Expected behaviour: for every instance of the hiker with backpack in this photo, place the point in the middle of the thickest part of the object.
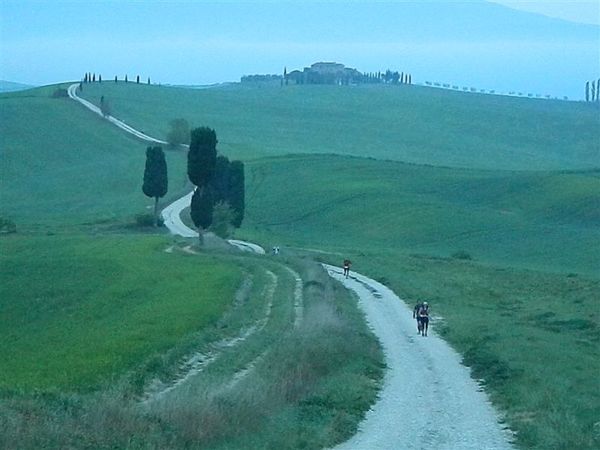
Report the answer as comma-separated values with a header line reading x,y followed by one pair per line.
x,y
423,318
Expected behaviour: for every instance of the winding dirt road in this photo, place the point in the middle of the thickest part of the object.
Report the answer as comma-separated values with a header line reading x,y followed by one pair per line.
x,y
428,399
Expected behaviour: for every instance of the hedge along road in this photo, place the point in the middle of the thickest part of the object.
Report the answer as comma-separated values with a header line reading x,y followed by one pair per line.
x,y
428,399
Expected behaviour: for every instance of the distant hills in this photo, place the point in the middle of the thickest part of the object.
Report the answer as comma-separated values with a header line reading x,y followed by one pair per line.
x,y
10,86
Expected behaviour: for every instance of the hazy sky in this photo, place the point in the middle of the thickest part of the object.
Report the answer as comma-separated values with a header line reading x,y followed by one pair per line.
x,y
583,11
467,43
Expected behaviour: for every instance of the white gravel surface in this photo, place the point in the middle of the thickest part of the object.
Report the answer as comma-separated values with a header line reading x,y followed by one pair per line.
x,y
428,399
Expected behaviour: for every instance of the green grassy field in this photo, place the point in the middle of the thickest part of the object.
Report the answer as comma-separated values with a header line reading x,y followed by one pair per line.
x,y
523,310
63,165
412,124
539,220
78,311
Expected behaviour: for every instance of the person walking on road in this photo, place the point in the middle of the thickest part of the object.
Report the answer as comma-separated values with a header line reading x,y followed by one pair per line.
x,y
416,310
347,264
424,317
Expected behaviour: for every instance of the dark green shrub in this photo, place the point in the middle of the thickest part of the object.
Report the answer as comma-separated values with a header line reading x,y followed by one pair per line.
x,y
7,226
147,220
461,254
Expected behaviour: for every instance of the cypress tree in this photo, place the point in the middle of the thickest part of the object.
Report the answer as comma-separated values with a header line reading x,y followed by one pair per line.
x,y
155,177
237,197
125,78
201,208
593,92
587,91
148,80
115,78
202,156
220,182
202,160
99,78
597,89
94,78
137,80
105,107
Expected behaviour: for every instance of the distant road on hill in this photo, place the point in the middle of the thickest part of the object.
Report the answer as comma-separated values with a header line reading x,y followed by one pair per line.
x,y
73,94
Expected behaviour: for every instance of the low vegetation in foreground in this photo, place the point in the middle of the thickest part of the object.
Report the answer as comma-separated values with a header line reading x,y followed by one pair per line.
x,y
268,380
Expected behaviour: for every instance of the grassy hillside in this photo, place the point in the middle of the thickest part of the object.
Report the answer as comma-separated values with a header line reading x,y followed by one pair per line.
x,y
61,164
509,260
413,124
540,220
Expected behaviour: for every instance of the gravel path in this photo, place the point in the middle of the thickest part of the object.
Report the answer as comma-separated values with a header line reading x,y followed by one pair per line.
x,y
428,400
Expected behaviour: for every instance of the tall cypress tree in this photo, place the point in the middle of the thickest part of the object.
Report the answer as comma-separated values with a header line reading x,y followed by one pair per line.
x,y
593,92
202,160
237,197
202,156
221,180
597,89
587,91
155,177
201,208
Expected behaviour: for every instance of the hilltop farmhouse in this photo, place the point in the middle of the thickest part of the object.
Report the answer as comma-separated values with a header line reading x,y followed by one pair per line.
x,y
325,73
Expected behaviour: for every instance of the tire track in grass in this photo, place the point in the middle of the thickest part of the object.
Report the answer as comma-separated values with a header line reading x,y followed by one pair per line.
x,y
298,317
298,296
199,361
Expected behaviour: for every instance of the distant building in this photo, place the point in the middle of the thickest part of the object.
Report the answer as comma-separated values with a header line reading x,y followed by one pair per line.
x,y
325,73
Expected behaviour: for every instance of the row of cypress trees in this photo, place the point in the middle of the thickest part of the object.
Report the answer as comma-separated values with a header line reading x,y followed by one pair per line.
x,y
592,88
90,77
218,180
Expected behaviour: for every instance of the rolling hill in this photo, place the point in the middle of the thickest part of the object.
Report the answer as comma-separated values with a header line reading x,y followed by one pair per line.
x,y
401,123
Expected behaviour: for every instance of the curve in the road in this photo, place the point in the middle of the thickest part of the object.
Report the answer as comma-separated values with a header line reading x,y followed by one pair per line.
x,y
428,399
172,213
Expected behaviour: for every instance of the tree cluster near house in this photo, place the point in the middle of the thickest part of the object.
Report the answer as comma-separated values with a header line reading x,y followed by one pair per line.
x,y
335,73
261,78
